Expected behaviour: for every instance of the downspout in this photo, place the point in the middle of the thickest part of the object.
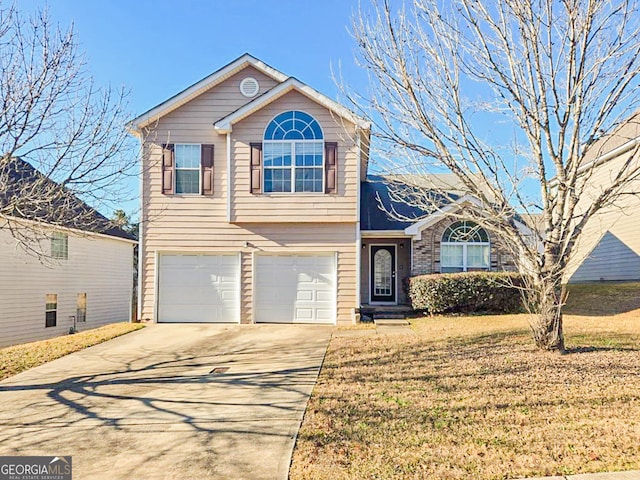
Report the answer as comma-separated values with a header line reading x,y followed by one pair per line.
x,y
358,234
140,235
229,177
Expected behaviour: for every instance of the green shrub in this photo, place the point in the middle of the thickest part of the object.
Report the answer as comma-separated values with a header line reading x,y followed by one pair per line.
x,y
491,292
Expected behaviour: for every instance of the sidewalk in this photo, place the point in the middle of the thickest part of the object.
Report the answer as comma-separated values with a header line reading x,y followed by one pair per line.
x,y
630,475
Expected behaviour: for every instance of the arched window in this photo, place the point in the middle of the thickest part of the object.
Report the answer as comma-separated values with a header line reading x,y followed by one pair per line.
x,y
293,153
465,247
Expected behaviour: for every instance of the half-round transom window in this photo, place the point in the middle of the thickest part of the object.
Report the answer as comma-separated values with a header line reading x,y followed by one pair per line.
x,y
465,247
293,125
465,231
293,154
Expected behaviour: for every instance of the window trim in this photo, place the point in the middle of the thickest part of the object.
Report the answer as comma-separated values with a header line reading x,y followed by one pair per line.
x,y
53,310
292,167
175,170
56,253
81,318
465,260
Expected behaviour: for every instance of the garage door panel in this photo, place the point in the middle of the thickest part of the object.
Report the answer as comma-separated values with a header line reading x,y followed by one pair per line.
x,y
194,314
228,296
198,288
326,315
181,297
324,296
295,288
305,277
304,314
305,296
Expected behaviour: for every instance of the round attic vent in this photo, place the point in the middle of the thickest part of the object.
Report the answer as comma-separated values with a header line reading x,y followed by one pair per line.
x,y
249,87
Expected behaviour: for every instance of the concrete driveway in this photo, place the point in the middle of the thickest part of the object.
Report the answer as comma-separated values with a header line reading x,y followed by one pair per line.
x,y
146,405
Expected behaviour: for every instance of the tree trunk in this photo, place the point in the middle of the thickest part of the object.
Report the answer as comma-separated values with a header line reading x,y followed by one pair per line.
x,y
546,323
547,331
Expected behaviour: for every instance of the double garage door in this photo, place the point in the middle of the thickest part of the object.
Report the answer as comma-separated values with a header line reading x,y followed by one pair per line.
x,y
287,288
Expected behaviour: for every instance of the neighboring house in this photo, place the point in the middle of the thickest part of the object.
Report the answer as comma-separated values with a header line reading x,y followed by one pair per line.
x,y
257,208
609,247
83,277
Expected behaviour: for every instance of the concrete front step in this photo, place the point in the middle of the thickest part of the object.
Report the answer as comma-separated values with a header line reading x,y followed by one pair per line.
x,y
387,315
394,321
370,312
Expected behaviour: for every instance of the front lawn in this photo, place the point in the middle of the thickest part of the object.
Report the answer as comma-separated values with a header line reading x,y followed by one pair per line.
x,y
19,358
471,397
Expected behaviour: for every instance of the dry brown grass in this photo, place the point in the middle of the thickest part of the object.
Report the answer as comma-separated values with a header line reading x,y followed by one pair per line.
x,y
471,397
596,299
19,358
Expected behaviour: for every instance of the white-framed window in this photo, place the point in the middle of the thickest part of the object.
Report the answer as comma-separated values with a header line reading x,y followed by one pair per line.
x,y
465,247
81,307
187,158
51,310
59,246
293,154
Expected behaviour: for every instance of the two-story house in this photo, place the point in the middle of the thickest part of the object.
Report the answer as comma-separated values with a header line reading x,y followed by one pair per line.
x,y
257,208
63,265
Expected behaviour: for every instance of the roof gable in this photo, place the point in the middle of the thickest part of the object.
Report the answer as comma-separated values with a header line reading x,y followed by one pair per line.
x,y
66,210
225,124
202,86
380,211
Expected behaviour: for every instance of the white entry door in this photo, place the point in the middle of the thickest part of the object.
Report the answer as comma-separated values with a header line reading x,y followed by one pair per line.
x,y
199,288
295,289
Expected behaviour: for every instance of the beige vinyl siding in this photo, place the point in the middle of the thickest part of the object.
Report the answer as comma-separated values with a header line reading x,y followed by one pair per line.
x,y
629,130
198,224
193,123
294,207
196,117
98,266
609,247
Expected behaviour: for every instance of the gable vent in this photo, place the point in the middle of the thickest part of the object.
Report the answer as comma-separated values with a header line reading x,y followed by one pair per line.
x,y
249,87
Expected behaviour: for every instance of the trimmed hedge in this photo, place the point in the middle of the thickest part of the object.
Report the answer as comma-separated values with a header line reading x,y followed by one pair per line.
x,y
467,292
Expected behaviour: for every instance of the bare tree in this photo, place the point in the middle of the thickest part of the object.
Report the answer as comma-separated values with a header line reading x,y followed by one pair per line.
x,y
512,97
62,138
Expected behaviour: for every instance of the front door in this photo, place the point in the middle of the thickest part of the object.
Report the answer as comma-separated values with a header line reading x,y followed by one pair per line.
x,y
383,273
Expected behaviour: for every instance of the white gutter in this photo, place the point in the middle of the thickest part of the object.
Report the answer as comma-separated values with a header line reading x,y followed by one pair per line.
x,y
358,236
384,234
229,177
603,158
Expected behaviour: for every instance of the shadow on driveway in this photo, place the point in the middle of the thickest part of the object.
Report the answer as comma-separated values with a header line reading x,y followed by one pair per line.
x,y
148,405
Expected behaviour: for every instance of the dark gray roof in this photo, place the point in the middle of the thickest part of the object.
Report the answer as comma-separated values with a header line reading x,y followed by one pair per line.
x,y
21,185
374,194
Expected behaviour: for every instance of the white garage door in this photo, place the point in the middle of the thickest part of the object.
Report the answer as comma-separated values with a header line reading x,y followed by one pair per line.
x,y
198,288
295,289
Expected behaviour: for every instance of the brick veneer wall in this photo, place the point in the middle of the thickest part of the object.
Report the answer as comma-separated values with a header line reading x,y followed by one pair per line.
x,y
426,251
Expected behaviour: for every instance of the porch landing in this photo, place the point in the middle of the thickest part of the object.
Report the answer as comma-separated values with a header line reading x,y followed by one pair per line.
x,y
381,313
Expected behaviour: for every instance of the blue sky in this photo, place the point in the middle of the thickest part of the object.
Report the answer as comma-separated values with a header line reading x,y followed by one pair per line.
x,y
157,48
